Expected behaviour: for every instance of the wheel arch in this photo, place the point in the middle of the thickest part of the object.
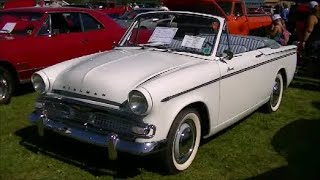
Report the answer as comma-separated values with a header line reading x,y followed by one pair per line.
x,y
202,109
283,73
11,68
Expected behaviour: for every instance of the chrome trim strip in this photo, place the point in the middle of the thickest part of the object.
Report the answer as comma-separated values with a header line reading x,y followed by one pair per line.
x,y
283,51
56,98
75,95
227,76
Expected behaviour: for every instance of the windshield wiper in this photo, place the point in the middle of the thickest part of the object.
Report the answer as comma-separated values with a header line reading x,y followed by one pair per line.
x,y
153,44
5,31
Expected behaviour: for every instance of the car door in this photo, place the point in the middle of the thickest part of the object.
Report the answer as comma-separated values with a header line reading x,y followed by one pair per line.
x,y
239,22
98,36
242,84
57,40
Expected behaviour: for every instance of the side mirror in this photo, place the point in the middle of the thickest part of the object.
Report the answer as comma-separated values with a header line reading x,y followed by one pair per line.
x,y
227,54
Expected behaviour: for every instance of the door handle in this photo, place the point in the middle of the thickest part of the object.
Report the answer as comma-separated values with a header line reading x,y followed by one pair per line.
x,y
230,69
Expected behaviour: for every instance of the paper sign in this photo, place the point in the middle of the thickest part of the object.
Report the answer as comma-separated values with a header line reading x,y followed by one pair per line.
x,y
8,27
163,35
192,42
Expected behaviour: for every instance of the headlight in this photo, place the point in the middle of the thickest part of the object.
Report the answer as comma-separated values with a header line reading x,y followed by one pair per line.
x,y
138,102
38,83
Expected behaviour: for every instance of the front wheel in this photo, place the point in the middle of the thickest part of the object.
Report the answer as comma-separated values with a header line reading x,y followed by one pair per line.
x,y
6,86
276,94
183,141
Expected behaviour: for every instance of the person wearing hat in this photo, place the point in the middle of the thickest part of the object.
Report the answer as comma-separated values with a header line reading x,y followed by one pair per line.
x,y
277,29
311,39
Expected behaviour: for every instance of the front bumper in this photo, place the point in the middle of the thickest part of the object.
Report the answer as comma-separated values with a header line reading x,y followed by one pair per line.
x,y
111,140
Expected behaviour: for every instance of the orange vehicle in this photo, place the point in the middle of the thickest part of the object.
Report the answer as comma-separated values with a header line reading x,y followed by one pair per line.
x,y
235,12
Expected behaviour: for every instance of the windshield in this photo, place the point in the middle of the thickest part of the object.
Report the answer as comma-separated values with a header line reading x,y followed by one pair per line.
x,y
174,31
19,23
132,14
226,7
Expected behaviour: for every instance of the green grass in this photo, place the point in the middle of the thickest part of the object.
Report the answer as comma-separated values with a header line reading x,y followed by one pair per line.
x,y
282,145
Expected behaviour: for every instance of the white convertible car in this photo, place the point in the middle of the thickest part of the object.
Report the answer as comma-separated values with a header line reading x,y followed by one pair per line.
x,y
164,87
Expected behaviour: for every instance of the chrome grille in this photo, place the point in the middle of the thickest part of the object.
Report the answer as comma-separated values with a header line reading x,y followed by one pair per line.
x,y
98,120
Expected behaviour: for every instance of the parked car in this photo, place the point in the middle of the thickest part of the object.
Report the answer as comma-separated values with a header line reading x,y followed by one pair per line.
x,y
18,3
88,5
126,19
188,81
234,11
35,38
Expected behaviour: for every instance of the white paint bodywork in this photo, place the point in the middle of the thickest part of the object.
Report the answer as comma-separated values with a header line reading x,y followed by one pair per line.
x,y
229,89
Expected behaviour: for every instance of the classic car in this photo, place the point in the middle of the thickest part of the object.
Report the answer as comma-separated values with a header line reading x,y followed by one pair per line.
x,y
239,19
189,80
126,19
34,38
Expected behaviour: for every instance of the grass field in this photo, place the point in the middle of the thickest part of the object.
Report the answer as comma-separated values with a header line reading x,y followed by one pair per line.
x,y
282,145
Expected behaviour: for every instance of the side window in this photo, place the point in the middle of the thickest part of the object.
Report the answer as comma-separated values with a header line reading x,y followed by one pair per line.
x,y
238,10
60,23
45,28
89,23
73,20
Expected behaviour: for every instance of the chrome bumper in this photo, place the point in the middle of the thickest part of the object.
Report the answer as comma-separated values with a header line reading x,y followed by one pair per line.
x,y
111,141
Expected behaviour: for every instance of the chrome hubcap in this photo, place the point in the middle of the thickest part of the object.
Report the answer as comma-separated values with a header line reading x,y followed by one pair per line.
x,y
3,87
275,93
184,141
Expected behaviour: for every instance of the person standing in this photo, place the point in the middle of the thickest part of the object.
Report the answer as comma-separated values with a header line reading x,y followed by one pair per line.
x,y
135,6
56,3
285,12
163,7
311,39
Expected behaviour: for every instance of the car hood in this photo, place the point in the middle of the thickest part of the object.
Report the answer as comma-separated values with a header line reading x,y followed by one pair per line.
x,y
112,75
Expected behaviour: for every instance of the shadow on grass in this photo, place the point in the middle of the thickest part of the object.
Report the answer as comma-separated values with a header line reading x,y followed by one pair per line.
x,y
307,76
310,68
229,128
299,143
316,104
24,89
305,83
88,157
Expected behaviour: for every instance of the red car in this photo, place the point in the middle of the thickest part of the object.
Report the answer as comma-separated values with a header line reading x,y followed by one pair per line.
x,y
34,38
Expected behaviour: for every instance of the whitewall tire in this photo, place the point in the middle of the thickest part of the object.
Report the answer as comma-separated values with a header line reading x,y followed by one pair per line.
x,y
183,141
276,94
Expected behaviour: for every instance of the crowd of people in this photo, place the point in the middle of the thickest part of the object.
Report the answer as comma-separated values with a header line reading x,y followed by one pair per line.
x,y
136,6
310,35
311,38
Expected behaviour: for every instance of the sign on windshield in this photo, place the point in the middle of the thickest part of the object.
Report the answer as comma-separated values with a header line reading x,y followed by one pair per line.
x,y
182,32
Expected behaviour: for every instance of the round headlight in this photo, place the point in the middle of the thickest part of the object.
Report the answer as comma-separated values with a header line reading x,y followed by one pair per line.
x,y
38,83
138,102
